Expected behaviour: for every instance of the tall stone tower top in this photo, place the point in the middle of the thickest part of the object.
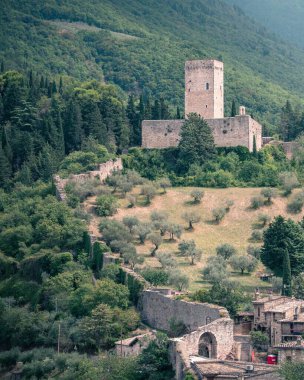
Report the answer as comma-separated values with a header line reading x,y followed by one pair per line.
x,y
204,88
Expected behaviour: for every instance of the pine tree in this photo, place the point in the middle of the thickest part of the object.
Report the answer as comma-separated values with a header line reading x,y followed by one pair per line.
x,y
287,289
233,109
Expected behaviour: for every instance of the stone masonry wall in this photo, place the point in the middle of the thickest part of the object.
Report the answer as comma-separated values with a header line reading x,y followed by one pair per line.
x,y
102,172
158,309
227,132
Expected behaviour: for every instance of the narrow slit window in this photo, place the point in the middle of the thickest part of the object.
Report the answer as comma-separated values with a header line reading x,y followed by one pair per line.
x,y
207,86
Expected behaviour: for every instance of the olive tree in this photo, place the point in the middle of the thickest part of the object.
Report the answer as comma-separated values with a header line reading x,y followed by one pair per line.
x,y
156,240
197,195
244,263
225,251
191,217
188,249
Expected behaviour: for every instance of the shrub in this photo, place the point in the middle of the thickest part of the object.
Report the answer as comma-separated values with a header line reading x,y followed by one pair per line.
x,y
228,204
155,276
256,202
256,236
263,220
197,195
269,193
218,214
178,280
296,205
225,251
243,263
288,181
132,200
254,251
191,217
106,205
259,339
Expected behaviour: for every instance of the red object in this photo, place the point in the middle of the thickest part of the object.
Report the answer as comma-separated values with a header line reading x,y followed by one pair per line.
x,y
272,359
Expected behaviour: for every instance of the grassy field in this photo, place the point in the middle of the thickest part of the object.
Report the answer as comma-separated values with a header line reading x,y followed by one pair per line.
x,y
235,229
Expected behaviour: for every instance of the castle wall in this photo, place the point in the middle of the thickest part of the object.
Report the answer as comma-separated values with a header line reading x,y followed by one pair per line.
x,y
204,88
227,132
158,309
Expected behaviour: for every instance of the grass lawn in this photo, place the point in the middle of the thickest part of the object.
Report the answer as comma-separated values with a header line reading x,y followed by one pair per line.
x,y
235,229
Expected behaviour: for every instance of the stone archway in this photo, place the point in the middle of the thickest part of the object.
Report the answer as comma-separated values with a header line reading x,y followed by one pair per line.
x,y
207,346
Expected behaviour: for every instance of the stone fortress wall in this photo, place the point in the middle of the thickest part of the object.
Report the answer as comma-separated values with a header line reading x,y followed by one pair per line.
x,y
227,132
204,95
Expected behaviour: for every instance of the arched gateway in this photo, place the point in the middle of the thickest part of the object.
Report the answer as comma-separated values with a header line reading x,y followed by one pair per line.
x,y
207,346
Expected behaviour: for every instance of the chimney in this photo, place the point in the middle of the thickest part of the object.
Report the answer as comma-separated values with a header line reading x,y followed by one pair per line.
x,y
242,111
256,294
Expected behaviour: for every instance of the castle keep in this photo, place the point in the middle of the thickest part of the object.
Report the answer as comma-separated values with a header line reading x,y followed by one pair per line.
x,y
204,95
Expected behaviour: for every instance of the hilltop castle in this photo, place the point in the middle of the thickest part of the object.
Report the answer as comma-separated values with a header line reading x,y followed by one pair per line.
x,y
204,95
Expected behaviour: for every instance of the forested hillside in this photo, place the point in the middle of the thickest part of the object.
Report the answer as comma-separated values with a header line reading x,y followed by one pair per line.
x,y
142,45
284,17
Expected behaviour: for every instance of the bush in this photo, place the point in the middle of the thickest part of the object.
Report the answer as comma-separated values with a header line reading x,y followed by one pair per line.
x,y
288,181
254,251
218,214
259,339
296,205
228,204
256,236
256,202
106,205
263,220
243,263
197,195
156,277
269,193
225,251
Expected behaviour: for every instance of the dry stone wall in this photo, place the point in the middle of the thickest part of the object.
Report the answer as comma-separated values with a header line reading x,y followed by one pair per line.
x,y
157,309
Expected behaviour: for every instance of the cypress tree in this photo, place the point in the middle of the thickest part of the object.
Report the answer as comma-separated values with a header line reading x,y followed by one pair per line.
x,y
148,109
164,110
233,109
254,147
60,86
5,168
286,290
178,114
94,124
73,127
132,117
54,88
2,68
156,112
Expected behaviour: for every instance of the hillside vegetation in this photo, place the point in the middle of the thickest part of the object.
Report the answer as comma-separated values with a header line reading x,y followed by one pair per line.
x,y
272,14
235,229
142,46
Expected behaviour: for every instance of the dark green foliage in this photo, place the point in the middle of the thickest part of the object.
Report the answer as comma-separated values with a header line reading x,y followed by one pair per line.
x,y
287,287
154,361
292,370
233,109
196,145
155,277
259,340
225,293
97,260
283,235
106,205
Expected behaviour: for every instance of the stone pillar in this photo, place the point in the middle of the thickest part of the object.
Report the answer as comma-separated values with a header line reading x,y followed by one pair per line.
x,y
242,111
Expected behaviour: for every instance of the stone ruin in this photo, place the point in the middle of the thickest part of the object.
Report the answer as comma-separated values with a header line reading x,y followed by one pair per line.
x,y
102,173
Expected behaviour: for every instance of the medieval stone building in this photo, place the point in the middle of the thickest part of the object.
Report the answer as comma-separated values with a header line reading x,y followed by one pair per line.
x,y
204,95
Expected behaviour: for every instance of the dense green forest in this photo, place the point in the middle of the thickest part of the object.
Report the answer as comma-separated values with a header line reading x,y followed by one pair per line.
x,y
283,17
142,46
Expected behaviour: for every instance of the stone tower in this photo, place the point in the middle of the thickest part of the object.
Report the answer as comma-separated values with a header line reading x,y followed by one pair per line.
x,y
204,88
